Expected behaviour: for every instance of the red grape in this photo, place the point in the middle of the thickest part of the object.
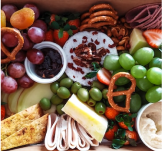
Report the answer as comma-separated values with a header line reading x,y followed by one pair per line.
x,y
25,81
9,40
35,56
9,10
40,24
20,56
34,8
3,56
36,34
28,44
16,70
2,76
9,85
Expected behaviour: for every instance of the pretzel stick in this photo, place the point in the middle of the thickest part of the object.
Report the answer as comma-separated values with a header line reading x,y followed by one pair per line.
x,y
104,13
128,92
102,18
11,56
101,7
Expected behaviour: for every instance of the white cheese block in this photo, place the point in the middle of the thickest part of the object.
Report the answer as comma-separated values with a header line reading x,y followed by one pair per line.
x,y
95,124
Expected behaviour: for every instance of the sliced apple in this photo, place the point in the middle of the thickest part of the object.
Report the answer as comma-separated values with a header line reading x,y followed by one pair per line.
x,y
13,99
33,95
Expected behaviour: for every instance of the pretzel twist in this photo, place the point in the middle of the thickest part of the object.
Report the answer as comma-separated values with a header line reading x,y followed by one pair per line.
x,y
11,55
101,7
104,13
85,15
128,92
85,21
102,18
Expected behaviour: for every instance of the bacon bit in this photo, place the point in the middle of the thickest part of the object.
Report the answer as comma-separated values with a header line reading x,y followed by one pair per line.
x,y
84,78
94,33
72,57
71,50
89,82
73,76
91,40
74,40
104,40
70,65
97,42
112,46
84,39
107,50
120,37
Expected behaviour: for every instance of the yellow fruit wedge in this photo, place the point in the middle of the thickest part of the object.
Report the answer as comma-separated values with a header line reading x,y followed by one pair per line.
x,y
137,41
2,19
95,124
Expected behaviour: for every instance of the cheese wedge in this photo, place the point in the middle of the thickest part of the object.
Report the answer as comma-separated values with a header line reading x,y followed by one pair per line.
x,y
95,124
30,134
137,41
15,122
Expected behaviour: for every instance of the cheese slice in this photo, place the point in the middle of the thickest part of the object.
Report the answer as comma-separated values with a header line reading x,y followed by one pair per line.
x,y
94,123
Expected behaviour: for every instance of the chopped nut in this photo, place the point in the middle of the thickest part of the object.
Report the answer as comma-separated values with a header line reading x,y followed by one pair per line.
x,y
123,20
127,26
115,40
114,32
120,48
122,32
109,32
122,42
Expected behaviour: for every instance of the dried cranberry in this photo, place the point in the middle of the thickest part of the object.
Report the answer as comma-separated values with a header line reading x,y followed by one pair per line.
x,y
112,46
104,40
94,33
74,40
71,50
97,42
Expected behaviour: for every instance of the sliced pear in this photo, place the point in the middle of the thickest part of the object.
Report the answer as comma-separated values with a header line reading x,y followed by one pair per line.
x,y
137,41
33,95
13,99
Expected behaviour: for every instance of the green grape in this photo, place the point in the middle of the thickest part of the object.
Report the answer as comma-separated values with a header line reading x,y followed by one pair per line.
x,y
126,61
111,62
156,62
154,75
154,94
144,84
121,80
144,55
138,71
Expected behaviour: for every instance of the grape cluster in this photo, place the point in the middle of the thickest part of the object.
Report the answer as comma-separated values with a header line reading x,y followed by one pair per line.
x,y
15,70
144,66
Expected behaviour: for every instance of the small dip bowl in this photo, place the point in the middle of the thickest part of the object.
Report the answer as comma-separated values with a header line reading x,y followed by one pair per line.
x,y
137,125
30,68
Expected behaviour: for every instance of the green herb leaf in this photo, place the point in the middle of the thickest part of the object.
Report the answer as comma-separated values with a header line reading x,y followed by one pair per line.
x,y
105,101
66,27
55,25
119,118
3,103
120,134
134,115
111,124
70,32
72,27
96,66
90,75
64,19
131,141
117,143
57,18
60,34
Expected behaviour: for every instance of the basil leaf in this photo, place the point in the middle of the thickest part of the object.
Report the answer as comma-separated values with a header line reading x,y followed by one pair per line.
x,y
119,118
72,27
60,34
55,25
96,66
57,18
90,75
134,115
117,143
66,27
70,32
64,19
131,141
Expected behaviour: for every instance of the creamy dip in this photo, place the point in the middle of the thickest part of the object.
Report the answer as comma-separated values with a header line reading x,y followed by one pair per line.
x,y
151,125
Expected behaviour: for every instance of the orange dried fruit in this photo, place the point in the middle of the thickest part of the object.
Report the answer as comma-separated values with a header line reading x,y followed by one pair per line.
x,y
22,18
3,19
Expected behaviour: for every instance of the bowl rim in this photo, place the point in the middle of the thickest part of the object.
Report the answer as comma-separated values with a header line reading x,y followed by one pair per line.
x,y
140,112
28,64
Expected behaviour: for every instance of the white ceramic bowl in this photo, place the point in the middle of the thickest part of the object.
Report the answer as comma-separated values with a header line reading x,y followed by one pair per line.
x,y
137,125
30,69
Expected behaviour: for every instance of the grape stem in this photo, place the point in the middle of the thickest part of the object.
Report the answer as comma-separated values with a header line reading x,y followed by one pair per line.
x,y
4,68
